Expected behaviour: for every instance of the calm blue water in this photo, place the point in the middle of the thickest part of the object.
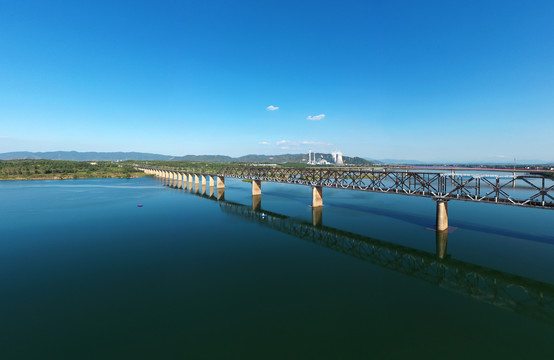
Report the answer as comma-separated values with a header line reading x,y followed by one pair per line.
x,y
86,274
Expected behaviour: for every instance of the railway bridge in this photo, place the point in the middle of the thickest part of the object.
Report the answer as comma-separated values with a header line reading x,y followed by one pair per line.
x,y
531,190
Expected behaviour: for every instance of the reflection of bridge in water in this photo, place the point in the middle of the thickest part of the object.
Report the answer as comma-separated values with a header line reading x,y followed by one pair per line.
x,y
522,295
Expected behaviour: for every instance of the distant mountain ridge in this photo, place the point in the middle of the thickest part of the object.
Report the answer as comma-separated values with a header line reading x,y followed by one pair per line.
x,y
83,156
122,156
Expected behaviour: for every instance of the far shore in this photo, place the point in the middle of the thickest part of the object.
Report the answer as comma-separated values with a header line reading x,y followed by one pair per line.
x,y
71,177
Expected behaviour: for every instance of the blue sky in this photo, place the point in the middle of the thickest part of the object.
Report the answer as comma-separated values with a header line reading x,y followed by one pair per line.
x,y
424,80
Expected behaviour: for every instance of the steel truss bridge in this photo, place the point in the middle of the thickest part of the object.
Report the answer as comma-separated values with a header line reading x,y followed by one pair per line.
x,y
518,190
488,188
522,295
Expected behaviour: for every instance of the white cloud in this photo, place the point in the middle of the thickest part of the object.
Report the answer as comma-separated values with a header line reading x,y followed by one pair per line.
x,y
263,143
316,117
272,108
283,142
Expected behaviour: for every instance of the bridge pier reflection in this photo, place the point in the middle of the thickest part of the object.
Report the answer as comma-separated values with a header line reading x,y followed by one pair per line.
x,y
221,194
441,242
317,216
257,202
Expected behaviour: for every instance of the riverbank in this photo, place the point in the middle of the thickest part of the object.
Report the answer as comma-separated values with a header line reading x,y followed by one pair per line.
x,y
61,170
61,177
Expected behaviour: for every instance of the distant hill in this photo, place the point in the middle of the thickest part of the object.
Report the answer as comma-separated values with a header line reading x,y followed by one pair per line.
x,y
122,156
83,156
279,159
398,161
204,158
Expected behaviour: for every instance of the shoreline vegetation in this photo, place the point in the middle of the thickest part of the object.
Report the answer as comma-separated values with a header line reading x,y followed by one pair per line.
x,y
62,170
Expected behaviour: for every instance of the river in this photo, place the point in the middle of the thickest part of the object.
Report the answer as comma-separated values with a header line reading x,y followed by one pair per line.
x,y
86,273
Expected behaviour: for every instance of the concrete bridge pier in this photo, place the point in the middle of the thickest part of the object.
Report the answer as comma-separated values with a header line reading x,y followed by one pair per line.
x,y
257,202
441,242
190,182
203,178
184,181
442,214
317,216
212,182
179,180
256,187
317,196
220,182
196,182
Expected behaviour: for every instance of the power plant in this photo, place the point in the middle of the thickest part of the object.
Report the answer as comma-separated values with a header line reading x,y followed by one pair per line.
x,y
336,158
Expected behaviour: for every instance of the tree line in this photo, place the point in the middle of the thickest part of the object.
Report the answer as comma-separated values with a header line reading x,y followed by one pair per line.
x,y
61,169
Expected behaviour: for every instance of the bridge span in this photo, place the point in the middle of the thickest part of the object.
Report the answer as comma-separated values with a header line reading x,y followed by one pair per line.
x,y
522,190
